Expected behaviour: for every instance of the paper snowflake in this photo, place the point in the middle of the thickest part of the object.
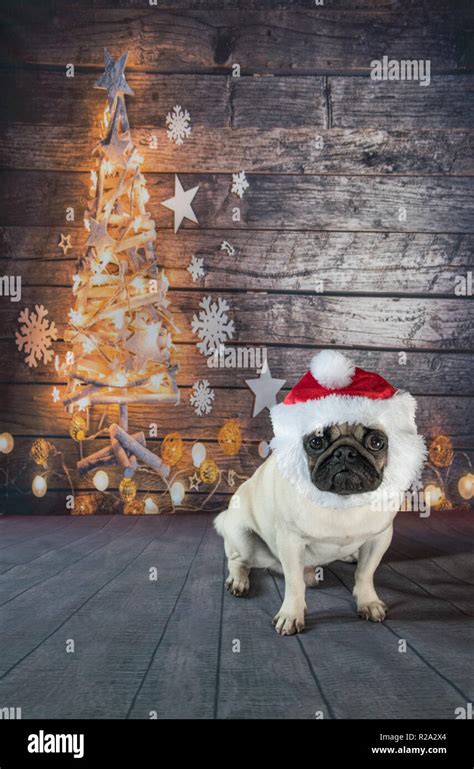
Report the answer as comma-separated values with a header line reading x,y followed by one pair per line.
x,y
178,125
212,325
36,335
195,268
201,397
239,184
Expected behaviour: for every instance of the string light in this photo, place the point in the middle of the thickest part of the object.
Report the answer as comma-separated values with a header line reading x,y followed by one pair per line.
x,y
39,487
177,493
101,480
198,454
6,443
151,508
40,451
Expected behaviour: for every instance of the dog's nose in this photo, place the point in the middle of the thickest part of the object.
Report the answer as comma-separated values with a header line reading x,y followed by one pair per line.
x,y
345,454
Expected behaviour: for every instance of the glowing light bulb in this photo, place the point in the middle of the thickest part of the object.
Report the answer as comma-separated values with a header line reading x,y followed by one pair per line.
x,y
198,454
6,443
108,167
177,493
101,480
151,508
39,487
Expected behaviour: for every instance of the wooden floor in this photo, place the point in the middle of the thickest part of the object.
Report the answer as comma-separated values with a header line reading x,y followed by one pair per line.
x,y
169,647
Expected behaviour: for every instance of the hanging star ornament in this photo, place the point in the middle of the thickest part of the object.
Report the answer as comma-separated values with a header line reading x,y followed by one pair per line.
x,y
99,237
265,389
181,204
113,79
65,243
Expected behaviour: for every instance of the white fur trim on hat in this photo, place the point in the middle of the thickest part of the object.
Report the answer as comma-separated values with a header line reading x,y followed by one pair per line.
x,y
395,416
332,369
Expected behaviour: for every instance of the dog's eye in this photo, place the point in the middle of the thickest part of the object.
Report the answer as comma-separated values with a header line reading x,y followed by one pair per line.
x,y
375,442
316,442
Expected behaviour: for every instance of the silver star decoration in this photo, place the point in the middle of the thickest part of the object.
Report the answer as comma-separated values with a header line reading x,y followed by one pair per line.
x,y
115,148
113,79
181,204
144,342
194,482
98,237
265,389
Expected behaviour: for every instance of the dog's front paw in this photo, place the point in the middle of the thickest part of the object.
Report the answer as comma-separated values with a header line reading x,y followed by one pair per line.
x,y
375,611
288,623
238,586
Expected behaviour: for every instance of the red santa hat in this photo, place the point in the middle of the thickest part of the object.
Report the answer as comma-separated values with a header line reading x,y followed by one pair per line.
x,y
335,391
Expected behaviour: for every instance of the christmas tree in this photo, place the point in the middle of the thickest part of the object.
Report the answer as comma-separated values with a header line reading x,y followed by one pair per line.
x,y
120,326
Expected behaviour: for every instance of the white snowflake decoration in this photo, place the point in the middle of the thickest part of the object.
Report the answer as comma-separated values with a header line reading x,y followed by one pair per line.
x,y
178,125
36,335
212,325
195,268
239,184
201,397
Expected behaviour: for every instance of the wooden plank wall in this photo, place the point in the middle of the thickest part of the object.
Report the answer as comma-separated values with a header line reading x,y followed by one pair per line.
x,y
310,214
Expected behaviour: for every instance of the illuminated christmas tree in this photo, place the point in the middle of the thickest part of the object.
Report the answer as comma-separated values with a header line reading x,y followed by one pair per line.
x,y
120,326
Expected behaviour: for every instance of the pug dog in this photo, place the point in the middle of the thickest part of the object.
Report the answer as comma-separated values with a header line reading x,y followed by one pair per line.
x,y
345,446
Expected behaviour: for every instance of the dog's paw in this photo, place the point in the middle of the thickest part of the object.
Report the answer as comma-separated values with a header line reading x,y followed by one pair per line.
x,y
310,578
238,586
288,624
375,611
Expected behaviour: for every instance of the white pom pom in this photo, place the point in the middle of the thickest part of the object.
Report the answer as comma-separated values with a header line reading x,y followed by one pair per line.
x,y
332,369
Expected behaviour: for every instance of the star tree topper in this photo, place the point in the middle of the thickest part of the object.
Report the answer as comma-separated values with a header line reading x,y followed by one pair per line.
x,y
113,79
181,204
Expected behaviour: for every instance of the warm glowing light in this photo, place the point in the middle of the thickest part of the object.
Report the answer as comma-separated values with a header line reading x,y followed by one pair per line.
x,y
39,487
434,495
466,486
156,380
198,454
88,345
118,318
108,167
177,493
76,317
106,116
83,404
143,195
108,208
101,480
6,443
151,508
136,223
87,223
76,282
119,379
139,283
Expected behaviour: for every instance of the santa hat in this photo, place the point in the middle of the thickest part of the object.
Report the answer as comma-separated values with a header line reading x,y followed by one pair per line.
x,y
335,391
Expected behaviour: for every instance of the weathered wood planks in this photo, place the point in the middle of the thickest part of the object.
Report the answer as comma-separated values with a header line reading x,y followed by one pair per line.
x,y
277,151
361,262
294,319
431,204
439,373
309,39
28,409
